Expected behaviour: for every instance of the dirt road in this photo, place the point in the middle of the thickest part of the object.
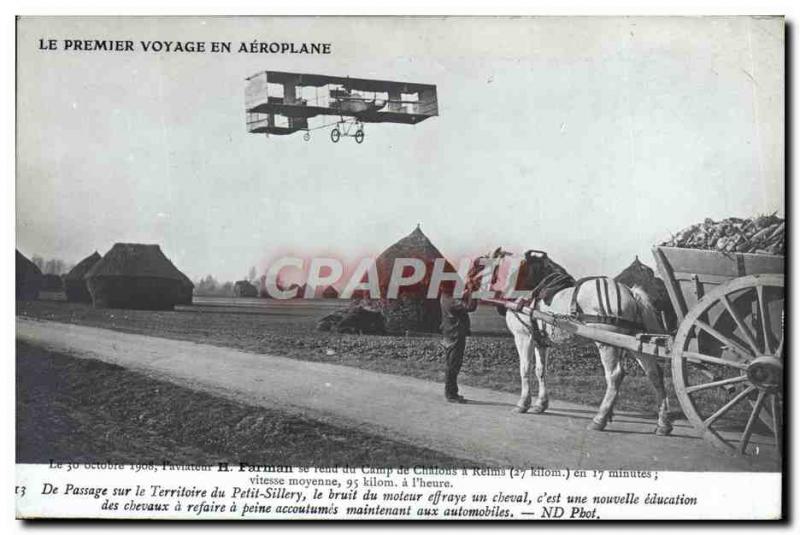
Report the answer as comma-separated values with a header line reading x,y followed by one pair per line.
x,y
399,407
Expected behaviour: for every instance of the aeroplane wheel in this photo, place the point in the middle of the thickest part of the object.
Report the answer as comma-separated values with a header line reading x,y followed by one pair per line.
x,y
335,135
306,137
360,136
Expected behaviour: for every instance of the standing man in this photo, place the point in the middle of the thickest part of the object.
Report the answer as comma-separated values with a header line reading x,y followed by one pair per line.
x,y
455,329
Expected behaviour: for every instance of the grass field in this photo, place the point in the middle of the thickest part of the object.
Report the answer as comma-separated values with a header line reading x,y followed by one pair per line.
x,y
82,410
287,329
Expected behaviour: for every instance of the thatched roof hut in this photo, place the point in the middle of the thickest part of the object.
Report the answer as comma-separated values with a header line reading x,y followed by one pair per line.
x,y
75,284
330,293
415,245
411,310
52,283
244,288
133,275
28,278
186,291
642,275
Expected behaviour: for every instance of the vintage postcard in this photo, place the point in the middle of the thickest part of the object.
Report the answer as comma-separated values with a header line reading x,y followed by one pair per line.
x,y
400,268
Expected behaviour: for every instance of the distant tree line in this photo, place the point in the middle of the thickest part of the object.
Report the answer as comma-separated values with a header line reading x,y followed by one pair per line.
x,y
208,286
52,266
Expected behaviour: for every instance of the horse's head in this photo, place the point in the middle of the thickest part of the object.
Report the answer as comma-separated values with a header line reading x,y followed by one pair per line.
x,y
533,268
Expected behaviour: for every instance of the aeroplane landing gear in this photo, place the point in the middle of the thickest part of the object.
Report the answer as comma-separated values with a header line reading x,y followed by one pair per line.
x,y
354,129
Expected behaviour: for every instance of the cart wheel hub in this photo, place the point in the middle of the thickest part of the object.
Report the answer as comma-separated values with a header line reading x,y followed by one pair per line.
x,y
766,373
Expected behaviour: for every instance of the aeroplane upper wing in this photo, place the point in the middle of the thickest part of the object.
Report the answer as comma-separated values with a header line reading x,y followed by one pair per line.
x,y
300,96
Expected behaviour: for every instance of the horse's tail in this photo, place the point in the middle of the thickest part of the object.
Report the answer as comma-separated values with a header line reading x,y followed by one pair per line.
x,y
646,310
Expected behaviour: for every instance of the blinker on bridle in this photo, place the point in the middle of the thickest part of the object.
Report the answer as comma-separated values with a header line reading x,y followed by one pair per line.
x,y
535,253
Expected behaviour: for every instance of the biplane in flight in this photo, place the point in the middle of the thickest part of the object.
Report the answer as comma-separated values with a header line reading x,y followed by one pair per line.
x,y
282,103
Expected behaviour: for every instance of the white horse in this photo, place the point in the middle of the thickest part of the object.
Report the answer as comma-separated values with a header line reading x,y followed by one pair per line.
x,y
603,304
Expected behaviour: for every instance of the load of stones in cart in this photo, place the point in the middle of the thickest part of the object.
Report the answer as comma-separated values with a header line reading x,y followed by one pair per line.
x,y
763,234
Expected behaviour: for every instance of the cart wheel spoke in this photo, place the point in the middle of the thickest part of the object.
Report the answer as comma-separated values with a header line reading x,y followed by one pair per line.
x,y
699,357
748,429
779,351
727,342
762,307
776,427
728,406
718,334
713,384
748,336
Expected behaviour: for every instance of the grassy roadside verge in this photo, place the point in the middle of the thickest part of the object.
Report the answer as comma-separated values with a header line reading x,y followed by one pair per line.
x,y
82,410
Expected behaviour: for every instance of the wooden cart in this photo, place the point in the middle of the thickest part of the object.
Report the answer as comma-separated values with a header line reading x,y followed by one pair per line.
x,y
727,354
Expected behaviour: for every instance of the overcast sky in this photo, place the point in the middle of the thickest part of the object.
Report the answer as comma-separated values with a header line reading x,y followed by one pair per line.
x,y
591,138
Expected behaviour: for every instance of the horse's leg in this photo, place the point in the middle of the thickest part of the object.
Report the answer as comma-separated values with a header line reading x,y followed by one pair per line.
x,y
656,376
524,342
542,400
612,364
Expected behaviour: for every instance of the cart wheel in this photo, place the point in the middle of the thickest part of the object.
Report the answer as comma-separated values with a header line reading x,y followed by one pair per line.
x,y
727,365
359,136
307,136
335,135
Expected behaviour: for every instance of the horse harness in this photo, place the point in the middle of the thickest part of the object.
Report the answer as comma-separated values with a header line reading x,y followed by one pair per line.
x,y
607,314
555,282
547,288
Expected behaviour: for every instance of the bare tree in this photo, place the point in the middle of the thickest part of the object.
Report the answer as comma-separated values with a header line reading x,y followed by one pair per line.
x,y
54,266
208,286
38,261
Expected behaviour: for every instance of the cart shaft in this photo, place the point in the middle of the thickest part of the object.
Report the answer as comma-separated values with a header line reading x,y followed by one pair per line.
x,y
640,343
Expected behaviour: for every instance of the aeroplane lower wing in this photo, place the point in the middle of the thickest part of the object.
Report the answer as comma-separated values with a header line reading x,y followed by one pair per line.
x,y
283,102
274,123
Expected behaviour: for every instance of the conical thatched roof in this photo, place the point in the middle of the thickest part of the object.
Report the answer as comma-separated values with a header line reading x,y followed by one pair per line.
x,y
186,292
28,278
643,276
82,267
330,293
411,310
640,274
136,260
415,245
187,282
74,283
26,266
635,271
133,275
